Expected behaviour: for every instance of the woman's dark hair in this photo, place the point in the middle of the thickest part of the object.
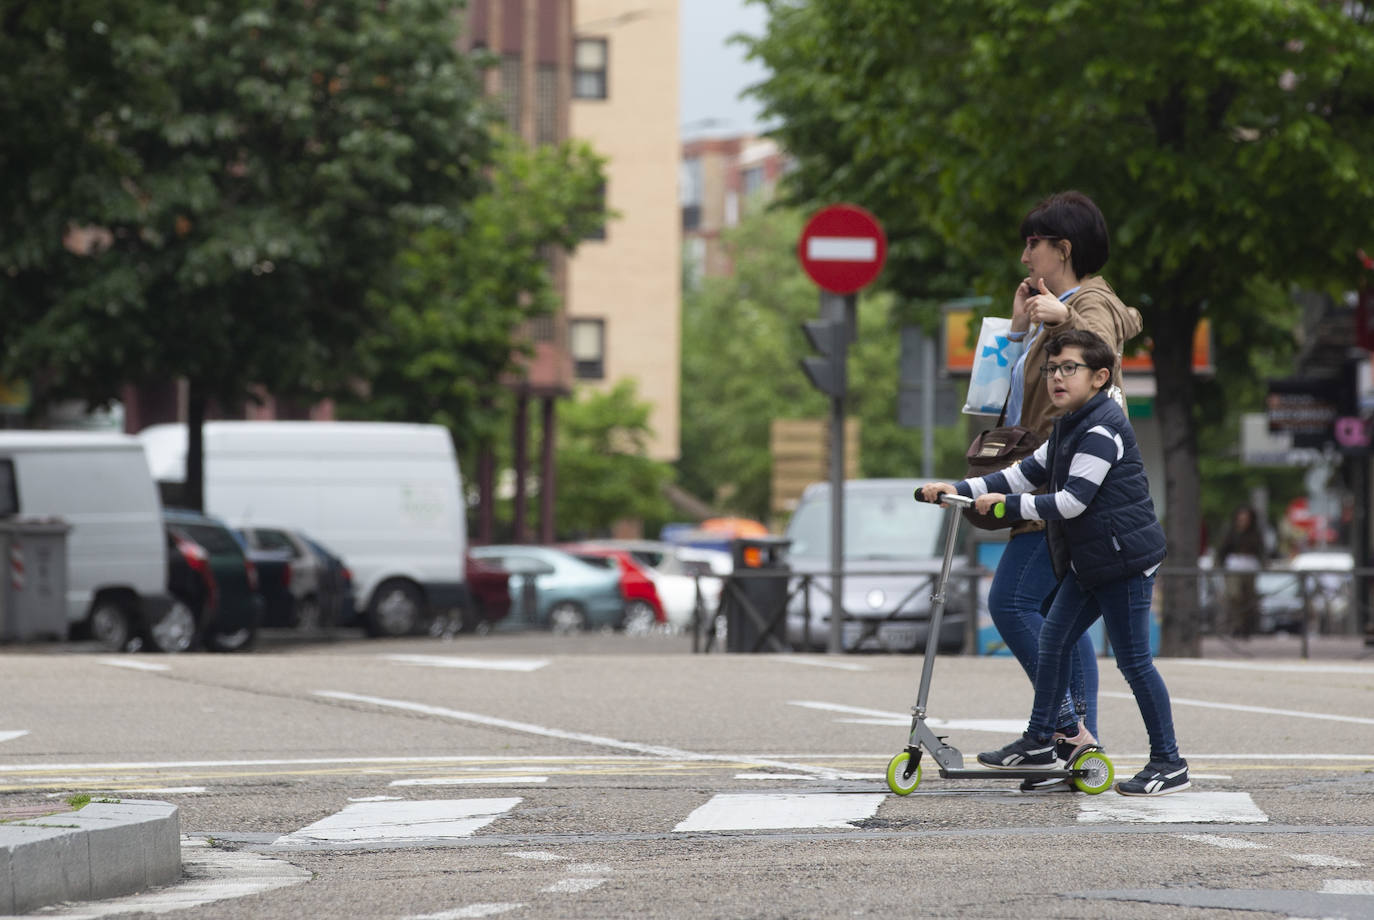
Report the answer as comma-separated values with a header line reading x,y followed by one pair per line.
x,y
1097,354
1072,216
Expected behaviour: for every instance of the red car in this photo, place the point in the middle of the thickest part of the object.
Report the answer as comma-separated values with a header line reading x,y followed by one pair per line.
x,y
643,609
489,588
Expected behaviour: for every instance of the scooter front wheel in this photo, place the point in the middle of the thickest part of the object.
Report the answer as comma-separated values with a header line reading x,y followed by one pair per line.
x,y
897,780
1099,775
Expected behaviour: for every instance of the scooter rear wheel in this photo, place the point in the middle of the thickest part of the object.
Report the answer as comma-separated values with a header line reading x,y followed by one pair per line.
x,y
1100,772
897,781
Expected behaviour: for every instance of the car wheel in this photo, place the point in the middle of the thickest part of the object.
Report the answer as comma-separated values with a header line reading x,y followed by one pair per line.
x,y
176,631
110,625
395,610
639,618
309,614
566,617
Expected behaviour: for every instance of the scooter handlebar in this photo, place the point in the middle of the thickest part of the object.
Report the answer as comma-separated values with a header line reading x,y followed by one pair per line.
x,y
946,498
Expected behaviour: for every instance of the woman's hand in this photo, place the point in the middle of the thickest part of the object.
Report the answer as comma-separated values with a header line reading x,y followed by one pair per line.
x,y
932,491
985,502
1020,319
1044,307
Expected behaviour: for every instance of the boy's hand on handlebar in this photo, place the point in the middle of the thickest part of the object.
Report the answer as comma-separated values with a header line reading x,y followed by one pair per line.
x,y
985,502
932,491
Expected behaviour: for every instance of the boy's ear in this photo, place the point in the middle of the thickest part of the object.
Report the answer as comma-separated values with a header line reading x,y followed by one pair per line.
x,y
1101,377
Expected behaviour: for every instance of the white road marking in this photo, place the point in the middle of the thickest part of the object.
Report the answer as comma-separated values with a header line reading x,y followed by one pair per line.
x,y
1178,808
471,911
541,855
1347,886
772,811
1226,843
402,820
215,875
480,664
575,885
1273,666
882,717
10,736
598,740
134,664
469,780
791,776
376,798
1321,860
821,663
168,790
1262,710
297,762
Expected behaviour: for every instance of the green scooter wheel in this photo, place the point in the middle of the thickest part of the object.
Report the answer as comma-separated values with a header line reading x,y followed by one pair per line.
x,y
1100,772
897,780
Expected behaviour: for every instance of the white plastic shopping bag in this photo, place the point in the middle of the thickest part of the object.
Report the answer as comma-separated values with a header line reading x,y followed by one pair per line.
x,y
993,358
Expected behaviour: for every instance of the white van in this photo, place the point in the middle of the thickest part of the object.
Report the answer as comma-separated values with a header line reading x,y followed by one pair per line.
x,y
116,550
385,496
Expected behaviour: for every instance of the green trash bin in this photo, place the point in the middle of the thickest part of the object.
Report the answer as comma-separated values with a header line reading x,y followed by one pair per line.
x,y
33,596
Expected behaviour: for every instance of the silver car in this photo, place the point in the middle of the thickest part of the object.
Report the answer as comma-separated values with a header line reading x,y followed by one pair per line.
x,y
893,551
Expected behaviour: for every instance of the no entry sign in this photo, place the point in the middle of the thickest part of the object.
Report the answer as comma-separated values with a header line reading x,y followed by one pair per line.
x,y
842,248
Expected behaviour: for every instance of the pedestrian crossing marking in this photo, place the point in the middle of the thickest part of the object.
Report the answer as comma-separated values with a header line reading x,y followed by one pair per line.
x,y
1179,808
362,822
778,811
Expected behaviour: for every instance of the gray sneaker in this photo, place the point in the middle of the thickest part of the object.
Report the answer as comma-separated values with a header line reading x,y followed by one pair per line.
x,y
1025,753
1157,779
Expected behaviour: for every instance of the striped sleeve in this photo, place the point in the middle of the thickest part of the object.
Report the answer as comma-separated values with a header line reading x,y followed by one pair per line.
x,y
1098,451
1026,476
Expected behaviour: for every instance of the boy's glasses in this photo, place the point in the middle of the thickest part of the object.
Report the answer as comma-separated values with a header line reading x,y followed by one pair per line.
x,y
1067,369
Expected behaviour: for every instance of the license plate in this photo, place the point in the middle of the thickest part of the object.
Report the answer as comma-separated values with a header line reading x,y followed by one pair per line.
x,y
896,637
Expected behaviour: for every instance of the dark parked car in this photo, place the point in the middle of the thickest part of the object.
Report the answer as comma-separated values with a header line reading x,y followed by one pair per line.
x,y
191,585
333,591
231,620
488,593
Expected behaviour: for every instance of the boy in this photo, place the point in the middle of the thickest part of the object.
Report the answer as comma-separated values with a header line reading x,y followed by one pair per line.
x,y
1106,545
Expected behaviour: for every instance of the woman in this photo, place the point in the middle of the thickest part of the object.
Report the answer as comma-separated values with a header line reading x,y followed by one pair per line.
x,y
1241,556
1066,245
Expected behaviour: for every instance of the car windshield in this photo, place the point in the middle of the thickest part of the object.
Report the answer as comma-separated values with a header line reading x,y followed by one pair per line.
x,y
877,525
216,540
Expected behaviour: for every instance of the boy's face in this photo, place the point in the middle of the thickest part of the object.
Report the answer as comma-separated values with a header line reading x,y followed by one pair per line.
x,y
1069,392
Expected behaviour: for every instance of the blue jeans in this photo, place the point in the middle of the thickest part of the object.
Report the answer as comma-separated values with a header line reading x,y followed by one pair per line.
x,y
1124,606
1020,595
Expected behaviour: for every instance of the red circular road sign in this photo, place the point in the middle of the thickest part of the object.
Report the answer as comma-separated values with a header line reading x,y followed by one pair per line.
x,y
842,248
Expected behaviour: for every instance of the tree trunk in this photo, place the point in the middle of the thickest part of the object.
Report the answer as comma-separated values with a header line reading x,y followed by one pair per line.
x,y
195,447
1173,358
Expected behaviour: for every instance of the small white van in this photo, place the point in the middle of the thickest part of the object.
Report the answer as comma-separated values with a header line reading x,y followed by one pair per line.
x,y
116,550
385,496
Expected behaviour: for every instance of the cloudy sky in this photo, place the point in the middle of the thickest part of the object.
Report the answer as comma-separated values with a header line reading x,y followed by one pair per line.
x,y
713,73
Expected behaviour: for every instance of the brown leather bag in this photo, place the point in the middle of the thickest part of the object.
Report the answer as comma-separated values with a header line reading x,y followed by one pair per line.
x,y
992,451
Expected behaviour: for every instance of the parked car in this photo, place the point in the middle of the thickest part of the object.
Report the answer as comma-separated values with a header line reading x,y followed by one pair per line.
x,y
679,573
893,552
489,594
292,574
191,585
232,621
334,589
643,607
568,594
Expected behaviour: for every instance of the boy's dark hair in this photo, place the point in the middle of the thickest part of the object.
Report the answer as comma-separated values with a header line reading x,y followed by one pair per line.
x,y
1097,354
1074,217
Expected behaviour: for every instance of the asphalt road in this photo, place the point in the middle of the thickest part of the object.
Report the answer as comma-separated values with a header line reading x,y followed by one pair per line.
x,y
603,776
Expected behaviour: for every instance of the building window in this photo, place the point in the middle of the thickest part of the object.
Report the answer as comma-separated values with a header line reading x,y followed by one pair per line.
x,y
600,232
546,105
588,347
589,68
690,193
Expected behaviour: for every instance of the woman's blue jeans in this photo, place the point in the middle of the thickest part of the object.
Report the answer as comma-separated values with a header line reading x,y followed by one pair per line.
x,y
1020,596
1124,606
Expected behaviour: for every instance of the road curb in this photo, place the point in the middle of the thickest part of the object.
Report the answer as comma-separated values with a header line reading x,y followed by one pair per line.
x,y
104,850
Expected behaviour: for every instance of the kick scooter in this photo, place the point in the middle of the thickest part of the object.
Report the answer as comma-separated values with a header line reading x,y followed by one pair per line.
x,y
1088,768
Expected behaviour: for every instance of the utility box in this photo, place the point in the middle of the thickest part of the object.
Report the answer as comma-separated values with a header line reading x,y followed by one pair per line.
x,y
755,595
33,588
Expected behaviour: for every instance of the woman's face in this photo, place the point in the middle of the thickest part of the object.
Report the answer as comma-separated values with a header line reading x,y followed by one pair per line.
x,y
1043,257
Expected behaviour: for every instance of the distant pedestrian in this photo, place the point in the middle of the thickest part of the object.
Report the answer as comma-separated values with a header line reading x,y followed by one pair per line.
x,y
1240,556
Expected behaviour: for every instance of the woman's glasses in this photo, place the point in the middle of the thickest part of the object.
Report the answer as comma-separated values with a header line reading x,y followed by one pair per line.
x,y
1067,369
1033,239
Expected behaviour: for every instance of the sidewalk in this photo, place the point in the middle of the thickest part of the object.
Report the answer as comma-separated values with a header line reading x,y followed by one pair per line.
x,y
1350,648
49,853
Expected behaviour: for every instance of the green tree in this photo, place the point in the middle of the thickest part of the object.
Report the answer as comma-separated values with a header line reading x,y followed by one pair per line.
x,y
250,170
1227,142
453,307
740,344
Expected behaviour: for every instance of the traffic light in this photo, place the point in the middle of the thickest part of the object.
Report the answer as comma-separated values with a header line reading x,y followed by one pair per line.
x,y
830,337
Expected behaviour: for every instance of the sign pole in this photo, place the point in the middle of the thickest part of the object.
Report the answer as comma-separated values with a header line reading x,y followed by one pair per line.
x,y
843,308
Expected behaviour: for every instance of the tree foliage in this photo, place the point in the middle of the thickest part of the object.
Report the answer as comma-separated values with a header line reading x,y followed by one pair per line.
x,y
1227,142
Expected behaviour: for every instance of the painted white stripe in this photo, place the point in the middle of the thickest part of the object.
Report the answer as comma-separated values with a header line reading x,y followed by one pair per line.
x,y
881,717
480,664
305,761
1176,808
169,790
1321,860
1262,710
541,855
821,663
403,820
376,798
471,911
784,810
470,780
1226,843
791,776
599,740
575,885
10,736
1347,886
1277,667
842,249
134,664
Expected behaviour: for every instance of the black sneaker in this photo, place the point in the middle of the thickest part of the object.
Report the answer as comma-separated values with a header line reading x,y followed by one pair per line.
x,y
1047,784
1157,779
1025,753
